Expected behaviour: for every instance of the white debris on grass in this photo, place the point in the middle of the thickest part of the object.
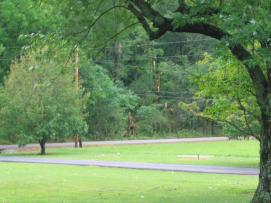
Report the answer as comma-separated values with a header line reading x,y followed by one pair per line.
x,y
194,157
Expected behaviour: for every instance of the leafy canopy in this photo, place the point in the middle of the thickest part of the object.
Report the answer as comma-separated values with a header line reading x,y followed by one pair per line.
x,y
40,100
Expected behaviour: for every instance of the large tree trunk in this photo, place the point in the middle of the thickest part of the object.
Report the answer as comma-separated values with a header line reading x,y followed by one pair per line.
x,y
42,146
263,192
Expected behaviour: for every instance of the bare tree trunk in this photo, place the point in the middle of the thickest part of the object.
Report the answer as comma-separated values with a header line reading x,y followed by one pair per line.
x,y
42,146
80,142
212,127
76,141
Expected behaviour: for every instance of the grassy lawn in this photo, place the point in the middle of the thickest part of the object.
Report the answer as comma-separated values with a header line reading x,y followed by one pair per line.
x,y
53,183
228,153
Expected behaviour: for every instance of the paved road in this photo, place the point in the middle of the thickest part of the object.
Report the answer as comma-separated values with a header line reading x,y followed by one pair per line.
x,y
144,166
120,142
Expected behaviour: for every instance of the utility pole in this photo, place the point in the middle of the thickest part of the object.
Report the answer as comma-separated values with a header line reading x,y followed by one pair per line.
x,y
76,68
158,85
153,65
166,106
77,138
117,51
158,79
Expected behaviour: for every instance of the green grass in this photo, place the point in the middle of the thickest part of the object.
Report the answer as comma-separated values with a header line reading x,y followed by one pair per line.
x,y
27,183
227,153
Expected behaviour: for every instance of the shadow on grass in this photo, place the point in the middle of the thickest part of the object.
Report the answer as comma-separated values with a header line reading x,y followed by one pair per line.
x,y
36,153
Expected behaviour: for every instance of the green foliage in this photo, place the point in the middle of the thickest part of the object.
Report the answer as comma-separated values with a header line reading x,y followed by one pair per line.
x,y
126,58
108,104
229,96
39,101
20,17
122,62
151,119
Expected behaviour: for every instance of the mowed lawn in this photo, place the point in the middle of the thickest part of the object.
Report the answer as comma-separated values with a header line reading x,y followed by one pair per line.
x,y
27,183
226,153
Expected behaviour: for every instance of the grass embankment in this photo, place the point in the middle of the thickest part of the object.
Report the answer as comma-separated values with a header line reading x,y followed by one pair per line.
x,y
27,183
228,153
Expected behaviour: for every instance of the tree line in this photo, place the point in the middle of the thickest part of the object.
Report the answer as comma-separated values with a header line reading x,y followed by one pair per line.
x,y
158,67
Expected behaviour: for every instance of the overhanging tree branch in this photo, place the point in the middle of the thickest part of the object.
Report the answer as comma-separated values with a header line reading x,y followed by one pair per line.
x,y
144,13
91,25
141,18
145,8
164,24
115,35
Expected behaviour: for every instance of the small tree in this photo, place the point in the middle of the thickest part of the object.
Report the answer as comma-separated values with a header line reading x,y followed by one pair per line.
x,y
40,101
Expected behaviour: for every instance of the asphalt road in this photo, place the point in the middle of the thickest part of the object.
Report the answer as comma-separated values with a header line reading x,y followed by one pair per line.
x,y
143,166
129,165
119,142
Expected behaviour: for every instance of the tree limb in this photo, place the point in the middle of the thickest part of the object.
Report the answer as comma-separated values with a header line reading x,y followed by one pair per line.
x,y
115,35
148,12
143,11
243,109
141,18
164,24
97,19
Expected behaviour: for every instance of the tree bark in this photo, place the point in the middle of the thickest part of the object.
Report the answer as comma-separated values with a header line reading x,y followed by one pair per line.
x,y
80,142
263,192
76,141
42,146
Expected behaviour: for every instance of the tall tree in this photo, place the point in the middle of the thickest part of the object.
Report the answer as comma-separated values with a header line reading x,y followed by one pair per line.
x,y
243,28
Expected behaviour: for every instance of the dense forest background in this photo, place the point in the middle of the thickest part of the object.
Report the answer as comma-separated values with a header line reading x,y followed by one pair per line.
x,y
179,85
